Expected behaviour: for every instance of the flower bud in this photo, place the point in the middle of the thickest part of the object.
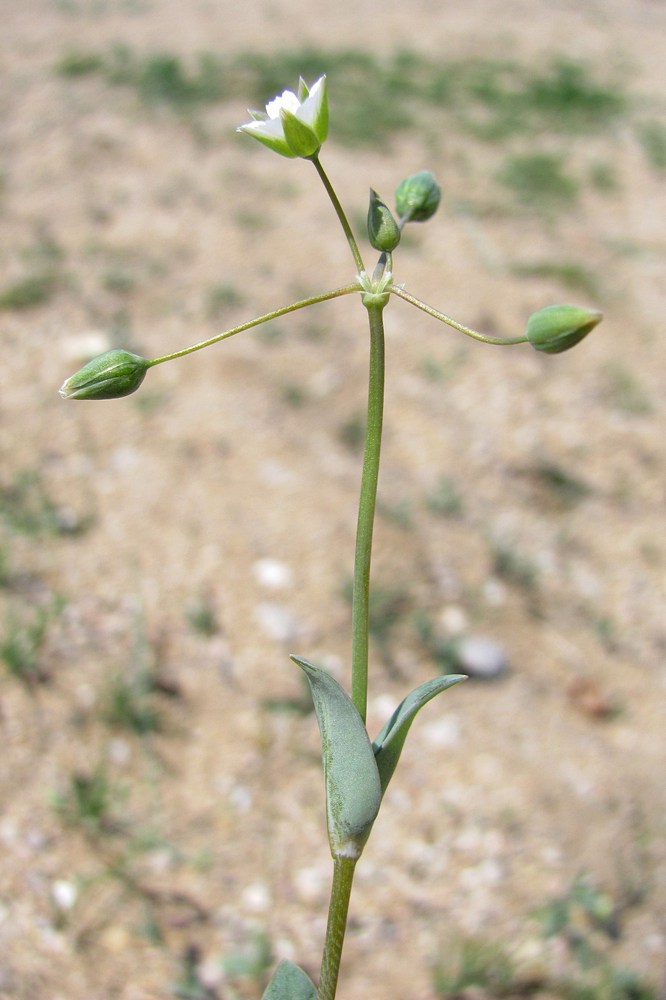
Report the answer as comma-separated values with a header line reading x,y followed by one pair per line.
x,y
383,230
554,329
113,374
417,197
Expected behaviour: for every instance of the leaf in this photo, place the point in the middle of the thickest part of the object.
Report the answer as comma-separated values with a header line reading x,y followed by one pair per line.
x,y
353,789
390,741
289,982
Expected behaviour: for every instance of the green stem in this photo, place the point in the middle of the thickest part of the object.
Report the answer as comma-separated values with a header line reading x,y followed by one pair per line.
x,y
339,211
343,875
366,512
275,314
484,338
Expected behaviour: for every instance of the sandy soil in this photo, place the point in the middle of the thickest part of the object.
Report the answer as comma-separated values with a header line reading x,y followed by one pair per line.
x,y
227,489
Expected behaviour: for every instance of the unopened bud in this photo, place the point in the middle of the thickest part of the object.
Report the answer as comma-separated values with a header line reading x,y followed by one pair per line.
x,y
109,376
417,197
383,230
554,329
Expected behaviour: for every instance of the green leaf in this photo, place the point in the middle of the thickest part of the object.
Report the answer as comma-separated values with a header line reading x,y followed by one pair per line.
x,y
353,789
289,982
388,745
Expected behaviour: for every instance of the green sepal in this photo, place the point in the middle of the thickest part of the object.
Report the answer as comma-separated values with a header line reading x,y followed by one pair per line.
x,y
353,788
301,139
289,982
390,741
383,230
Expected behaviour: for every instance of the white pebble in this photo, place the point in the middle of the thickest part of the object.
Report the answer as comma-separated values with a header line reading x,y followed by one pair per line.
x,y
453,619
276,621
64,894
479,657
272,573
443,732
256,897
85,345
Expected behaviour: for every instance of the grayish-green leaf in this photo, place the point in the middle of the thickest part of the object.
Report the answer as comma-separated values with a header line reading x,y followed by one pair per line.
x,y
388,745
289,982
353,789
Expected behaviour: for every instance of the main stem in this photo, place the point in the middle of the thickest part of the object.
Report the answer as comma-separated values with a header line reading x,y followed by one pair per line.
x,y
343,875
343,868
366,513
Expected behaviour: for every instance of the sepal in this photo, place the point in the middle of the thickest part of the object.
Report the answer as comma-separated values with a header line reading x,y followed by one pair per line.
x,y
383,230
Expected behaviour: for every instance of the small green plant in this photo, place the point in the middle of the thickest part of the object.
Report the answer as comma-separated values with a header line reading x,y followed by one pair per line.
x,y
539,180
570,274
295,395
27,293
5,567
189,985
445,499
22,645
221,298
79,64
201,616
130,704
352,433
652,136
564,488
88,801
603,177
567,96
120,282
512,566
376,98
476,963
357,769
585,919
625,391
26,507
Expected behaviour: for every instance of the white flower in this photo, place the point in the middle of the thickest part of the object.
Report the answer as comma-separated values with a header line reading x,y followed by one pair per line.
x,y
293,124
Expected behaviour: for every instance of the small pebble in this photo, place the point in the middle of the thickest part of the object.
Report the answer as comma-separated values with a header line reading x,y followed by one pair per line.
x,y
272,573
310,884
64,894
256,897
453,619
277,622
86,345
481,658
443,731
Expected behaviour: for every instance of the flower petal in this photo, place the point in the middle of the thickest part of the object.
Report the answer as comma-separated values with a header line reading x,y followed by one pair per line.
x,y
286,101
270,133
314,109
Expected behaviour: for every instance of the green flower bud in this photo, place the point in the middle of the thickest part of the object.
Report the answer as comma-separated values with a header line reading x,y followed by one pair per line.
x,y
417,197
383,230
116,373
557,328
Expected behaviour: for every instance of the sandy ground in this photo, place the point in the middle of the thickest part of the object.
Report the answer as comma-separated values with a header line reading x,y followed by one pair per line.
x,y
227,489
